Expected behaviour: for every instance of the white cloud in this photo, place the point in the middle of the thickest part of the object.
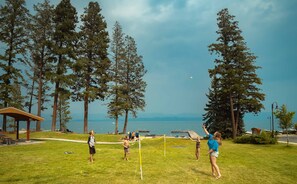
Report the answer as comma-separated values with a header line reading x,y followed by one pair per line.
x,y
258,12
139,11
129,9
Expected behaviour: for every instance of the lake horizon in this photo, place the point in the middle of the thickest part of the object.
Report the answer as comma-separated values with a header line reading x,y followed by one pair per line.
x,y
158,125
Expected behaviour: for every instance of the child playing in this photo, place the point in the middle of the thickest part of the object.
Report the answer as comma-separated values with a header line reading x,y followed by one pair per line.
x,y
197,152
213,144
126,147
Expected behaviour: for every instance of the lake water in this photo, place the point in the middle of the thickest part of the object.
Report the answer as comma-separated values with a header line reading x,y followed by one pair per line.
x,y
107,126
157,126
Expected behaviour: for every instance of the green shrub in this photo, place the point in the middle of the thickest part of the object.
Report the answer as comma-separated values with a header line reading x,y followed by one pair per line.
x,y
245,139
263,138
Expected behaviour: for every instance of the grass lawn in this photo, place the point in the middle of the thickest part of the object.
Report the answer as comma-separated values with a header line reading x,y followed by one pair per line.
x,y
239,163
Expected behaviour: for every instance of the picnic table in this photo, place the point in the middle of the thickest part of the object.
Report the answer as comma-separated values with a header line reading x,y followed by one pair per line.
x,y
5,140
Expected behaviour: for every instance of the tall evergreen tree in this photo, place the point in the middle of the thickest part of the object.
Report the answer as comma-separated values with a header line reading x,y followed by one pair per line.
x,y
63,109
235,73
30,86
14,18
93,63
115,106
41,53
133,85
217,116
64,39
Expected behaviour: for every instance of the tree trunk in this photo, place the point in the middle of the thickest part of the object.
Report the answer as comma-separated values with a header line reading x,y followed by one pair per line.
x,y
126,122
86,109
116,130
31,94
7,82
287,137
54,118
40,86
237,119
234,130
60,115
4,120
38,124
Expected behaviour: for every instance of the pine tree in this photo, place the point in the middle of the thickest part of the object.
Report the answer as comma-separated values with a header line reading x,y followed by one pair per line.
x,y
93,63
29,85
217,116
63,109
115,106
235,72
41,53
14,18
64,39
133,85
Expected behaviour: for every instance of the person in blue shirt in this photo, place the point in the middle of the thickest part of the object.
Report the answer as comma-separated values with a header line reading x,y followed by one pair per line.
x,y
213,144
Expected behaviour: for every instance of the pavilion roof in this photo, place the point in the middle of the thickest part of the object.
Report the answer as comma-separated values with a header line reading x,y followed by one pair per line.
x,y
19,114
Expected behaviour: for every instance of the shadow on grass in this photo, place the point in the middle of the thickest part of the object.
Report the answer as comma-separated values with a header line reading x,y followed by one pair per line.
x,y
201,172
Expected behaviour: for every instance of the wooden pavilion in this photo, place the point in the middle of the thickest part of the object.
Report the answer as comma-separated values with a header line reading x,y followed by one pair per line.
x,y
20,115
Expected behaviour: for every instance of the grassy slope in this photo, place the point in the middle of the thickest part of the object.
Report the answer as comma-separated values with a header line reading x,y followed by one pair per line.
x,y
47,162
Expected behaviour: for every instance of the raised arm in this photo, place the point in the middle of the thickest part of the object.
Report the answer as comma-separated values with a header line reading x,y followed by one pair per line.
x,y
206,132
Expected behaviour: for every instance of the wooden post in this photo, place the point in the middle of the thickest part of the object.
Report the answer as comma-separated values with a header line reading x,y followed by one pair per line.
x,y
28,130
17,133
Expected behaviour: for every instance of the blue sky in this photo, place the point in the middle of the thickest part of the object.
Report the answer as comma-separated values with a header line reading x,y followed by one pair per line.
x,y
173,38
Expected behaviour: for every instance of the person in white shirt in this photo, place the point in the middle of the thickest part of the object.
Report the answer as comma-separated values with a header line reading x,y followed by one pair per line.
x,y
91,143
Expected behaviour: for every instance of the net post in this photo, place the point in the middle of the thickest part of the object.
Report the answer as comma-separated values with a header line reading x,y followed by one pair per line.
x,y
164,145
140,158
